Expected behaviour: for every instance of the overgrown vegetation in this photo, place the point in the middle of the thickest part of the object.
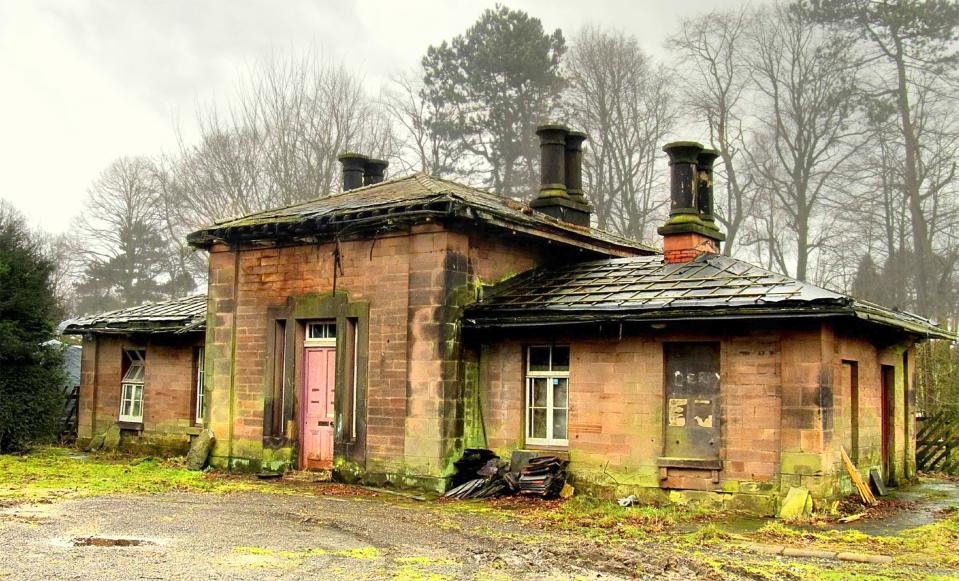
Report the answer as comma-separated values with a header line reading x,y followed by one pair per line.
x,y
52,472
31,377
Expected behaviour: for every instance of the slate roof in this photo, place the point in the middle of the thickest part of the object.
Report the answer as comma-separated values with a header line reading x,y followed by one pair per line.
x,y
413,198
646,288
183,315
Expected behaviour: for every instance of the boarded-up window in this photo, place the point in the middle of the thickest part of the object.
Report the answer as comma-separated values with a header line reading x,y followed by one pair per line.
x,y
692,400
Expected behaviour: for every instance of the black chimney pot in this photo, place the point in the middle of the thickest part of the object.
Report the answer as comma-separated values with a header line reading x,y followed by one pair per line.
x,y
354,169
561,179
574,165
704,165
375,170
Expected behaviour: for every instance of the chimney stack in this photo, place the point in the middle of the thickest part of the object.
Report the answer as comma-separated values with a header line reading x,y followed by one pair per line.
x,y
375,170
691,229
561,175
354,169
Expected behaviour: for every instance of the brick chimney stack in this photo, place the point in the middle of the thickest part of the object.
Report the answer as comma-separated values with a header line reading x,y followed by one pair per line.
x,y
691,229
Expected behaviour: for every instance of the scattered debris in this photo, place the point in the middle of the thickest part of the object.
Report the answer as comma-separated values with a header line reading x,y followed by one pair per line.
x,y
875,477
798,503
199,453
467,467
852,517
627,501
111,439
543,476
567,491
108,542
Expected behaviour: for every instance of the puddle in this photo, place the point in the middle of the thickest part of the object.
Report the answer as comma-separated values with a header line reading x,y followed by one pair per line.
x,y
109,542
931,499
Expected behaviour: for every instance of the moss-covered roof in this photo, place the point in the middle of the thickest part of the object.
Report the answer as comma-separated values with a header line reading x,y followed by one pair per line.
x,y
647,288
410,199
182,315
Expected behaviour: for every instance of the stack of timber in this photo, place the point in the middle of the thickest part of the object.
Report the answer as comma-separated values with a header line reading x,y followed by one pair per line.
x,y
864,492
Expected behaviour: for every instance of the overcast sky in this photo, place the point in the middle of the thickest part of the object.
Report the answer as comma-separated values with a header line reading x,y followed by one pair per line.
x,y
84,82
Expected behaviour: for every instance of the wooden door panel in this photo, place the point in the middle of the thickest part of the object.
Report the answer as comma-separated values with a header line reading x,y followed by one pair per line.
x,y
319,382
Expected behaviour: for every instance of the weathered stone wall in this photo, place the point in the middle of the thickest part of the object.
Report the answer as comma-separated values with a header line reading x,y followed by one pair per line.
x,y
617,407
168,386
415,284
784,411
869,359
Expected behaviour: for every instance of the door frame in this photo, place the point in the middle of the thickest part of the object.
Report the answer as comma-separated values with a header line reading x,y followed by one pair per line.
x,y
887,388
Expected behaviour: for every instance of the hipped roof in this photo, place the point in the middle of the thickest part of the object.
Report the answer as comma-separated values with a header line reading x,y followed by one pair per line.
x,y
183,315
410,199
645,288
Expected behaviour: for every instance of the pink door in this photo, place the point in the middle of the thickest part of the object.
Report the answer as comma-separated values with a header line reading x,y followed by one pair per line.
x,y
317,424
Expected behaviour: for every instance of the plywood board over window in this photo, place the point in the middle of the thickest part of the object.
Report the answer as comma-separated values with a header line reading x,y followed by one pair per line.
x,y
692,388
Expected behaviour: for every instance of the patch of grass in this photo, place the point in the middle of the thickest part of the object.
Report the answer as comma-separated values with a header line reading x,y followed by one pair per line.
x,y
51,472
367,553
934,545
708,534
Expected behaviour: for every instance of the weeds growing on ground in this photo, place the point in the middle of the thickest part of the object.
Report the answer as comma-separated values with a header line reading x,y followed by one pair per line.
x,y
52,472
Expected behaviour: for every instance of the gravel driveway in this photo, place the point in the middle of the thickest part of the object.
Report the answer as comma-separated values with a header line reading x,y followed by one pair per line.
x,y
259,535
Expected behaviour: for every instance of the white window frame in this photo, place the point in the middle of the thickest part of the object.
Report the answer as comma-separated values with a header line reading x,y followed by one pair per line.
x,y
200,388
131,386
320,334
549,375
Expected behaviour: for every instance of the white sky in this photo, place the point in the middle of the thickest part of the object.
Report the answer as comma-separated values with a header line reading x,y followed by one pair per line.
x,y
85,81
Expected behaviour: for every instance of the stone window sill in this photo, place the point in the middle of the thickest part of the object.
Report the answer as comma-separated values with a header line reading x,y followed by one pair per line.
x,y
135,426
692,463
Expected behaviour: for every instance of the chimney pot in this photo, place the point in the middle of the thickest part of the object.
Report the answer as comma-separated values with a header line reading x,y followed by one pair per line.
x,y
704,194
561,183
574,165
375,170
552,152
690,230
354,169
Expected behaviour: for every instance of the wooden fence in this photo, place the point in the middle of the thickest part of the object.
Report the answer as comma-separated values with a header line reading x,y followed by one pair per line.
x,y
69,419
936,443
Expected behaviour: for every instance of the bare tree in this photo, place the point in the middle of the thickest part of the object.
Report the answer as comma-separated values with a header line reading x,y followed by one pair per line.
x,y
277,144
712,49
623,100
910,47
808,81
419,146
125,251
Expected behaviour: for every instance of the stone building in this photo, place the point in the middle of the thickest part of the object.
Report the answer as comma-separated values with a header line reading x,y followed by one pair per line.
x,y
380,331
142,369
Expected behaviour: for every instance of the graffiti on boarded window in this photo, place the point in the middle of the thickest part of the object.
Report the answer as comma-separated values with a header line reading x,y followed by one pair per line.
x,y
692,400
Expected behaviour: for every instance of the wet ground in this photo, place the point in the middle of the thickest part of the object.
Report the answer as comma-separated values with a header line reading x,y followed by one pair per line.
x,y
256,536
346,532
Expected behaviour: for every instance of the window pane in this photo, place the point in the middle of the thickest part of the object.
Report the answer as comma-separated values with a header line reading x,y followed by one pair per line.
x,y
539,358
539,392
560,385
559,424
561,358
539,424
